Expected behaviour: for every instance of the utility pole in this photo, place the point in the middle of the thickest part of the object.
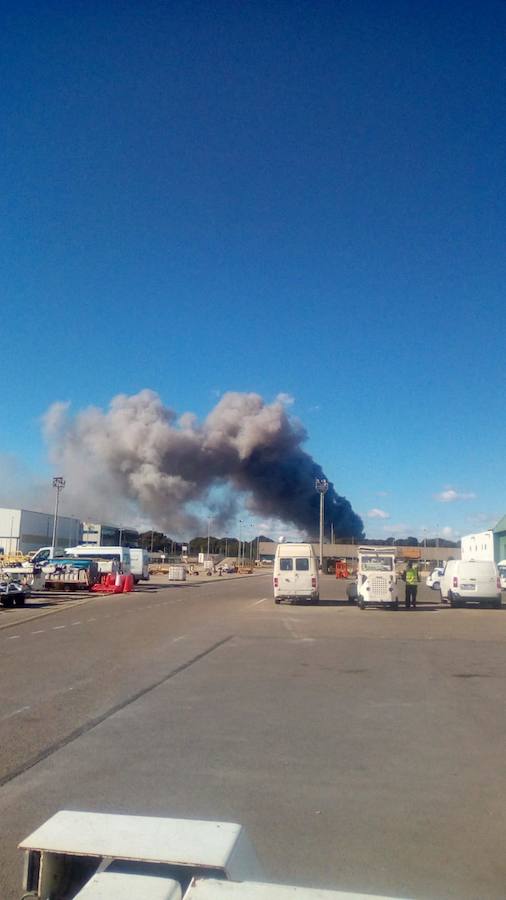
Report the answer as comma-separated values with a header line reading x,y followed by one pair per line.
x,y
322,486
58,484
240,542
208,526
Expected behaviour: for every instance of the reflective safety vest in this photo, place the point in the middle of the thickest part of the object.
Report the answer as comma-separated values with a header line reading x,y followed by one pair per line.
x,y
411,576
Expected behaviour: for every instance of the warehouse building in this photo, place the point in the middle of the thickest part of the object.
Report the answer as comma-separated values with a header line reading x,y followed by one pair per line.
x,y
109,535
23,530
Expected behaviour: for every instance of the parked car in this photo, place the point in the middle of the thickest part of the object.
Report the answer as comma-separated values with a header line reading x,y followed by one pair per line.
x,y
433,580
475,581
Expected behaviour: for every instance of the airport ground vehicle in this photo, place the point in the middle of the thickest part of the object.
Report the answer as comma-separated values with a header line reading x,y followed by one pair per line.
x,y
139,564
295,573
471,581
67,574
376,583
105,556
12,591
433,580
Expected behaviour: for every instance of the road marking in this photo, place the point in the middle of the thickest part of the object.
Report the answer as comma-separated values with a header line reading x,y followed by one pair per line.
x,y
180,638
118,707
40,631
76,623
91,620
258,601
15,713
58,627
13,637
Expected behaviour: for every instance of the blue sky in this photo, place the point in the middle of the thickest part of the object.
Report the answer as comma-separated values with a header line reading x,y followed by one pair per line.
x,y
297,197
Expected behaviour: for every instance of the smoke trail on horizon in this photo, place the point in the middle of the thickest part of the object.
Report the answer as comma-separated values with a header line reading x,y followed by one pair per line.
x,y
139,457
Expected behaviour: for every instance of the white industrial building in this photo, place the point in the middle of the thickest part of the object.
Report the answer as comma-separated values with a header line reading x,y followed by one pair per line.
x,y
486,544
23,530
478,546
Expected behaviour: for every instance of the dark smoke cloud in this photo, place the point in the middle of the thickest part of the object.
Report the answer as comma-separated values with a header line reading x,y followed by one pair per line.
x,y
138,457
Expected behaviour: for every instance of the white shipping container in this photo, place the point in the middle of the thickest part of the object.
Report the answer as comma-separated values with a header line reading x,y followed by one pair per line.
x,y
177,573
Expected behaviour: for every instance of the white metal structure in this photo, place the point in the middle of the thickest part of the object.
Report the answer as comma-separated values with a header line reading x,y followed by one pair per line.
x,y
210,889
97,856
70,846
295,573
475,581
129,886
376,578
118,555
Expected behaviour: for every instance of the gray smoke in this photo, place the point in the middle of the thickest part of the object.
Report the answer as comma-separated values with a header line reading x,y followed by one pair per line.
x,y
139,457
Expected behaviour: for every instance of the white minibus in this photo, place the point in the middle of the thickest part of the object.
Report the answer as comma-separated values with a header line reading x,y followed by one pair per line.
x,y
295,573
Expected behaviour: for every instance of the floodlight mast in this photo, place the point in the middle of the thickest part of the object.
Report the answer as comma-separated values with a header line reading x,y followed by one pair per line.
x,y
322,486
58,484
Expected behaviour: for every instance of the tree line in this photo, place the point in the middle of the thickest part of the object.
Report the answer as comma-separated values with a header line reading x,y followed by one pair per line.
x,y
158,542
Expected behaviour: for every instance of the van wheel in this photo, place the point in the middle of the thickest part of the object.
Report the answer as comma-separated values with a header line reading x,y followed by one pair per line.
x,y
435,586
8,601
455,604
20,600
394,605
316,600
277,599
361,603
441,598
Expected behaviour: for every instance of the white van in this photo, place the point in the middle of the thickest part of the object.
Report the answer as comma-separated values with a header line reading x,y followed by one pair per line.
x,y
41,556
295,573
108,558
475,581
139,564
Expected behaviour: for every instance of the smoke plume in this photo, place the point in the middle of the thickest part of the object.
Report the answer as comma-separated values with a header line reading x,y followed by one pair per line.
x,y
138,457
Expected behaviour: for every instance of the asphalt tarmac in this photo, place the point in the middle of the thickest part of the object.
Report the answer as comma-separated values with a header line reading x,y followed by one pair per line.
x,y
362,750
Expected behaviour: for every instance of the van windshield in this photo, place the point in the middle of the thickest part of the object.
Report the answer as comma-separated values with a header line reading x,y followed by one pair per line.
x,y
376,563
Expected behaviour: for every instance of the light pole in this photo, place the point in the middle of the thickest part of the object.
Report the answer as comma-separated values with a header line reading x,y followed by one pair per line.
x,y
58,484
208,526
322,486
240,541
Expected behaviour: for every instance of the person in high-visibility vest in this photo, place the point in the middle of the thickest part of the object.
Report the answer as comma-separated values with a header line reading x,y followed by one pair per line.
x,y
412,580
